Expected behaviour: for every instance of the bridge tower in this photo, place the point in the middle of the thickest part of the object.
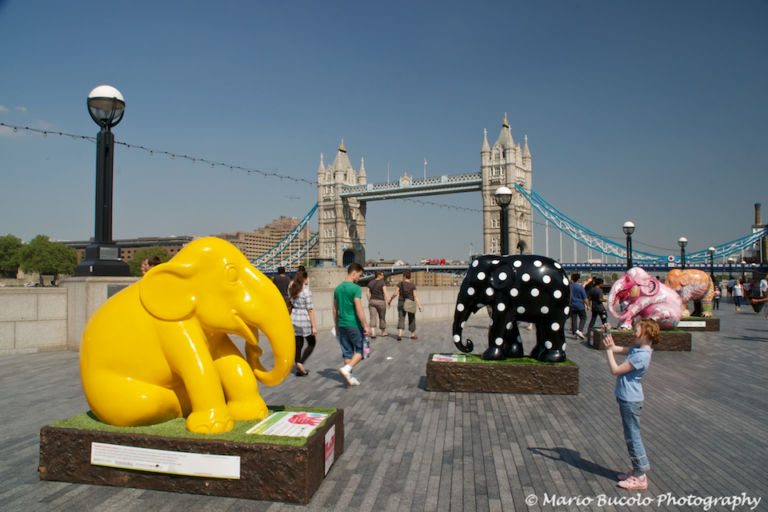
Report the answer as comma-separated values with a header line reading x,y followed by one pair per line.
x,y
341,221
505,164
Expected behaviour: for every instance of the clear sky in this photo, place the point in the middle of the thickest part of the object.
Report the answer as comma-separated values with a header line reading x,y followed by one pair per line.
x,y
650,111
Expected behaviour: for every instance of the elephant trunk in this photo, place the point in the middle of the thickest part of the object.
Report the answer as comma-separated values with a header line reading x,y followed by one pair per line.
x,y
617,291
464,308
279,330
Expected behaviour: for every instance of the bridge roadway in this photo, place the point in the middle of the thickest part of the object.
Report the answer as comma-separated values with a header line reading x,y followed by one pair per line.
x,y
704,424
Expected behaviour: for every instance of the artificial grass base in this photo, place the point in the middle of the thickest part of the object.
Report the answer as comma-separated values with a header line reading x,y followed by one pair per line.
x,y
477,359
272,468
522,375
176,428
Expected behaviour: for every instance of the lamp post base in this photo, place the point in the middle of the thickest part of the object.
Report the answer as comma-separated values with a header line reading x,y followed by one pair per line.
x,y
102,260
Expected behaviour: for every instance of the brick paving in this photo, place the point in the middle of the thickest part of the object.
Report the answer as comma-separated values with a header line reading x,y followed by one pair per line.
x,y
704,426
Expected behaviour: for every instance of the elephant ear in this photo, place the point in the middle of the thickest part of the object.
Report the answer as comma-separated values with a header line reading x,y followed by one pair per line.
x,y
167,291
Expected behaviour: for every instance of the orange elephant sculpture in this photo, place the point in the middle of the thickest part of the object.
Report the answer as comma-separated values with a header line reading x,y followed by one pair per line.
x,y
693,285
160,349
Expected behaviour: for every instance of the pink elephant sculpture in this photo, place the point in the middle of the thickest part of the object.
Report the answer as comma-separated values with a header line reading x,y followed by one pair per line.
x,y
693,285
640,295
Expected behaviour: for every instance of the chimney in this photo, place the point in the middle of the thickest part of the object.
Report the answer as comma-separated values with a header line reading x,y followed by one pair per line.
x,y
764,243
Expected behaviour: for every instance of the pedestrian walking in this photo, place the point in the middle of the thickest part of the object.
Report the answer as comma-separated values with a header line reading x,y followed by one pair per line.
x,y
407,303
629,395
716,297
377,304
596,299
303,319
148,263
349,319
283,282
578,306
738,294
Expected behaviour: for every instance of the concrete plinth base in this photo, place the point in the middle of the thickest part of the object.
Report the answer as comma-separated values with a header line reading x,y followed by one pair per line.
x,y
514,376
696,323
266,471
677,341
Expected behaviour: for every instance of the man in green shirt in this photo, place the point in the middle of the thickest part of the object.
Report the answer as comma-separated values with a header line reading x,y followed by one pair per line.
x,y
350,322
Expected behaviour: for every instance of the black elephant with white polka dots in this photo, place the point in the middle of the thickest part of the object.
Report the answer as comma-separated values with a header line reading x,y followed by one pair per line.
x,y
527,287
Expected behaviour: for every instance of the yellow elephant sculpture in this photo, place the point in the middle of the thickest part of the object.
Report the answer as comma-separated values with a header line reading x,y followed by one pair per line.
x,y
160,349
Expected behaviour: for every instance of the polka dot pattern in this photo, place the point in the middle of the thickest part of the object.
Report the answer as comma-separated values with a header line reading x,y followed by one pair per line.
x,y
524,288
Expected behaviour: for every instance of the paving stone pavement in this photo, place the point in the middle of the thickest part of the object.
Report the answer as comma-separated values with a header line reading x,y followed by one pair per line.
x,y
704,425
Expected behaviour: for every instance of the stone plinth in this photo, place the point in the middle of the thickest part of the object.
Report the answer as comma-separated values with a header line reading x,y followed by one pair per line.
x,y
514,376
697,323
266,471
674,341
84,296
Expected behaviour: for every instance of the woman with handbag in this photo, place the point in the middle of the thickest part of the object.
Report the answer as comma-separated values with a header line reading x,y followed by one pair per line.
x,y
407,303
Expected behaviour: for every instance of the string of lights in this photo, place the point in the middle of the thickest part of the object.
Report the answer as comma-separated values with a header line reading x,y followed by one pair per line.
x,y
260,172
172,155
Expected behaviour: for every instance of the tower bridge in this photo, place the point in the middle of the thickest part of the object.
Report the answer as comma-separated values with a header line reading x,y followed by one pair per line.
x,y
343,194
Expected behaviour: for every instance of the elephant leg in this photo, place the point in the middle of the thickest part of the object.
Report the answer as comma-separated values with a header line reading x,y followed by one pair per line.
x,y
550,339
513,344
123,401
497,336
238,381
697,309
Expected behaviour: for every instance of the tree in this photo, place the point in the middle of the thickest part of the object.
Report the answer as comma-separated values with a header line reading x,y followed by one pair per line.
x,y
142,254
46,257
9,254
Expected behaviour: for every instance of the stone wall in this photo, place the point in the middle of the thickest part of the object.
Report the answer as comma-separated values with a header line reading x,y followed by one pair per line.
x,y
438,303
35,319
32,319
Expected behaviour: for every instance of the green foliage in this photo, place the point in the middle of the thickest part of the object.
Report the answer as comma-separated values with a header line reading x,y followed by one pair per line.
x,y
9,254
142,254
46,257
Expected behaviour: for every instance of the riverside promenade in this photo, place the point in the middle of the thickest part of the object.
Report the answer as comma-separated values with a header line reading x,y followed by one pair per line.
x,y
705,426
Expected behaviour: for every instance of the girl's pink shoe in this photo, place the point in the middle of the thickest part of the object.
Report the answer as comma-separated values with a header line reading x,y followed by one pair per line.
x,y
626,475
634,483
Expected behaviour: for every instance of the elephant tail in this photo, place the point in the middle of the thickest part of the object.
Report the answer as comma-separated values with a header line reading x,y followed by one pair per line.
x,y
464,347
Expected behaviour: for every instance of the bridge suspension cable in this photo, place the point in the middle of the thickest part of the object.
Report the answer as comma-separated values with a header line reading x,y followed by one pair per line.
x,y
606,246
264,260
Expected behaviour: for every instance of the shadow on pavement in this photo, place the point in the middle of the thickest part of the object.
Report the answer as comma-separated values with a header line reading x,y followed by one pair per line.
x,y
575,459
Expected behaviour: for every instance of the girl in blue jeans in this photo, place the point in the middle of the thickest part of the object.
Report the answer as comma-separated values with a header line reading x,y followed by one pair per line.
x,y
629,395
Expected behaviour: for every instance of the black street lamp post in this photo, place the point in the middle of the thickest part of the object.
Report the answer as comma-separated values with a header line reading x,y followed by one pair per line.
x,y
682,242
503,196
711,251
629,228
102,257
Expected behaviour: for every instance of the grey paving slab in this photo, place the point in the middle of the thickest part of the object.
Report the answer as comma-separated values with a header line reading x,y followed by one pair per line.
x,y
704,425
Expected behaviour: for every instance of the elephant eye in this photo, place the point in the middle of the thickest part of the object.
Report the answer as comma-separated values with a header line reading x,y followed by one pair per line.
x,y
231,274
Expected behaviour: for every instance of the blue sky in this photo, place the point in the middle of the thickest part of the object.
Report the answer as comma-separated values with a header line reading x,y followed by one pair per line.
x,y
647,111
